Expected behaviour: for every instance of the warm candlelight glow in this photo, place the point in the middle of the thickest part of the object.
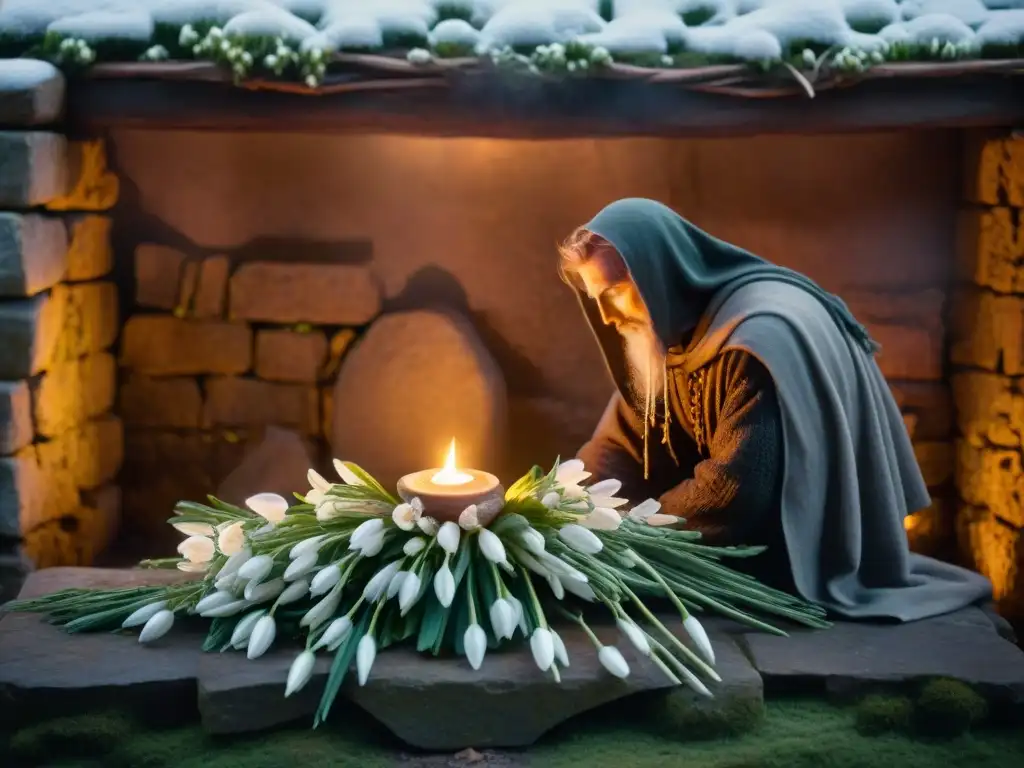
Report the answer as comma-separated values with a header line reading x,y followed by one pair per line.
x,y
449,475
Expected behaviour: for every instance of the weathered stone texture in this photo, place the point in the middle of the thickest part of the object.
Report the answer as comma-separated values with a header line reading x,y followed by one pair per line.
x,y
161,345
33,254
990,408
995,549
93,187
991,249
928,404
15,416
995,171
33,168
237,402
339,345
158,276
31,92
29,495
90,254
149,402
29,333
286,292
988,332
993,479
910,328
211,287
90,321
290,356
90,454
77,538
73,392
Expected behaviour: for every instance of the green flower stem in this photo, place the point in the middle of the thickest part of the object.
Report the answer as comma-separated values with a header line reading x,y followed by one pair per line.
x,y
499,583
668,590
658,650
376,614
534,602
471,593
672,676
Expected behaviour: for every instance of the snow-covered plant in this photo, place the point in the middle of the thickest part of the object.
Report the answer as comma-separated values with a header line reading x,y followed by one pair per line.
x,y
70,53
155,53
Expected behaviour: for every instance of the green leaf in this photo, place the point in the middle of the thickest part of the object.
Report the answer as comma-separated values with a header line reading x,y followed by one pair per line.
x,y
368,480
509,524
432,625
343,658
220,633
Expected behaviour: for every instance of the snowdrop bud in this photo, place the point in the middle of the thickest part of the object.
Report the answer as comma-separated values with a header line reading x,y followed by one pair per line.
x,y
543,648
533,540
635,635
602,519
469,519
503,618
198,549
560,653
300,566
256,568
243,629
700,638
377,586
657,520
428,525
234,562
226,610
448,537
556,587
231,538
366,529
414,546
809,58
475,644
335,633
611,659
409,592
322,611
315,479
551,500
444,585
520,614
159,624
581,590
307,546
144,614
300,673
346,474
366,652
257,591
396,583
371,546
193,529
325,580
262,637
580,539
491,546
294,592
214,600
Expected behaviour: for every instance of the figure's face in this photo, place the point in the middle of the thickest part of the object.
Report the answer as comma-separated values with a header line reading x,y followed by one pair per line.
x,y
606,280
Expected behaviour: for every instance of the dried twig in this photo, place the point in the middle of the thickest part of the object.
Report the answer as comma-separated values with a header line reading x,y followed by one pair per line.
x,y
808,88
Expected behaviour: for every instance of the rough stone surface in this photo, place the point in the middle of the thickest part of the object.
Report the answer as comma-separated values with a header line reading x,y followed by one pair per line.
x,y
90,454
45,670
29,495
33,253
15,566
158,276
33,168
278,463
848,656
413,382
996,549
991,478
290,356
211,287
29,332
31,92
236,402
149,402
511,702
160,345
990,248
929,403
90,321
90,254
988,331
340,343
93,187
78,537
995,172
72,392
990,408
15,416
286,292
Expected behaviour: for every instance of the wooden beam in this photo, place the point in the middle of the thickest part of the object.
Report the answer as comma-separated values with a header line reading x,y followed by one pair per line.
x,y
485,105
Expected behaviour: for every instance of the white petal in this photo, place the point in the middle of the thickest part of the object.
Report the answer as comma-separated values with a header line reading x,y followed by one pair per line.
x,y
322,611
448,537
244,627
144,614
543,648
306,546
314,497
560,653
262,637
293,592
602,519
607,487
409,593
503,618
444,585
325,580
234,562
193,529
700,638
256,568
158,625
517,606
197,549
300,672
346,474
300,566
405,516
372,545
317,482
468,519
377,586
635,635
370,527
335,633
414,546
231,539
551,500
581,539
366,652
215,600
428,525
556,587
612,660
581,590
189,567
226,610
260,591
657,520
396,583
491,546
269,506
474,643
645,509
533,540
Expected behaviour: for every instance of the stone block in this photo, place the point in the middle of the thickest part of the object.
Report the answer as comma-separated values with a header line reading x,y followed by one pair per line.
x,y
29,333
90,322
991,478
212,287
31,92
988,331
990,249
236,402
73,392
909,353
391,426
15,416
852,656
158,276
290,356
149,402
286,292
996,550
79,537
90,255
33,168
93,187
33,253
277,463
995,170
935,458
29,495
929,403
90,454
161,345
339,345
989,408
15,566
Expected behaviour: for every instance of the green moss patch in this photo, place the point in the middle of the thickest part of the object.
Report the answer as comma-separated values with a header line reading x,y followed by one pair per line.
x,y
948,708
879,713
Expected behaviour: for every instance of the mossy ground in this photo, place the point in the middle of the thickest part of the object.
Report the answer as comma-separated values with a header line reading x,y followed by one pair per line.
x,y
795,733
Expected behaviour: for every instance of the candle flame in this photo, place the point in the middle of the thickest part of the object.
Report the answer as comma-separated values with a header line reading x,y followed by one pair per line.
x,y
449,474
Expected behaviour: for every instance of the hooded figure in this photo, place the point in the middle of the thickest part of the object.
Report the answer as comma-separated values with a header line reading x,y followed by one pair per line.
x,y
749,403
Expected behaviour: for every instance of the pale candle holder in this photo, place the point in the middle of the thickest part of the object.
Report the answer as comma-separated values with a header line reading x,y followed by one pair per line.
x,y
446,502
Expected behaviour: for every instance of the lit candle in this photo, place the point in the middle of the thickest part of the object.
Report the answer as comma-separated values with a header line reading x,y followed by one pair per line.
x,y
446,491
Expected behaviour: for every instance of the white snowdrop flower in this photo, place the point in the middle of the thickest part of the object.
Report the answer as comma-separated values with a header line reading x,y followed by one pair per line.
x,y
256,568
270,506
214,600
700,638
409,592
602,494
262,637
377,586
243,629
300,672
189,567
428,525
231,538
474,642
293,592
187,36
580,539
469,518
307,546
561,655
533,540
155,53
368,528
644,510
194,529
543,648
396,583
658,520
215,33
520,613
448,537
570,474
322,611
144,614
300,566
579,589
226,610
197,549
335,633
318,486
491,546
371,545
366,653
225,46
260,591
809,58
325,580
551,500
347,475
444,585
247,58
635,635
419,56
611,659
503,618
158,625
414,546
602,519
406,516
311,81
556,587
877,57
531,563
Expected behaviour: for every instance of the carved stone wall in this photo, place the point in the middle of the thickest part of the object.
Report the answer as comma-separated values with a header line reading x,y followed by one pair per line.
x,y
987,355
